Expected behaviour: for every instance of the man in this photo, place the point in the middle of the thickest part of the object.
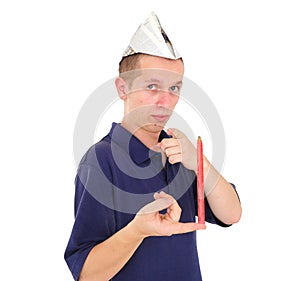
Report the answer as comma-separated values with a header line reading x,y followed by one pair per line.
x,y
119,233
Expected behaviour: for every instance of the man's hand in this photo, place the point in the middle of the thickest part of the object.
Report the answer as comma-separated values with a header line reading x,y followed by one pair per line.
x,y
179,149
149,222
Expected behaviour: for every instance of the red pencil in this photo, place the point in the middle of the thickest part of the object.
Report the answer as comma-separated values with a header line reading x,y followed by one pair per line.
x,y
200,182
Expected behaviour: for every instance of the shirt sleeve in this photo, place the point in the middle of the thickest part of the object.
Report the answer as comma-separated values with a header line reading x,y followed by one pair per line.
x,y
93,223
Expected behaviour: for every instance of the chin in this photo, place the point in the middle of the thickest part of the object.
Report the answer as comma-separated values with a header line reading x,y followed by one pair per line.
x,y
155,127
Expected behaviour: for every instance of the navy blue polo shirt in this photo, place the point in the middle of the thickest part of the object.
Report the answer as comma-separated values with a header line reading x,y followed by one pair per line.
x,y
116,177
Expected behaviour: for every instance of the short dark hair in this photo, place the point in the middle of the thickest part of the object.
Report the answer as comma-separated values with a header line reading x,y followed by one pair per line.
x,y
129,63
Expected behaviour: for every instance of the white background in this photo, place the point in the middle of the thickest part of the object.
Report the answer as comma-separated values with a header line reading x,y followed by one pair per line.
x,y
244,55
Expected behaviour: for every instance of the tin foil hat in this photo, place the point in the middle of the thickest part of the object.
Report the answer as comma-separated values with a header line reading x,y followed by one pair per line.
x,y
151,39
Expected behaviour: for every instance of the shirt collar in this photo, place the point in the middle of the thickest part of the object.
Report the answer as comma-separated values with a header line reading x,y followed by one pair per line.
x,y
138,152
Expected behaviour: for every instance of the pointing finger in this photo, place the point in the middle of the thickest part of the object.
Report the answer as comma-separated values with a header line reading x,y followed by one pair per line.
x,y
187,227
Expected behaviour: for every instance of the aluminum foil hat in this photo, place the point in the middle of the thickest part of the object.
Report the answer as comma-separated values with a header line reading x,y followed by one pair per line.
x,y
151,39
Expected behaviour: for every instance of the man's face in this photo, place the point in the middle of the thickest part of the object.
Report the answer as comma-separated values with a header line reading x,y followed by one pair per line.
x,y
153,93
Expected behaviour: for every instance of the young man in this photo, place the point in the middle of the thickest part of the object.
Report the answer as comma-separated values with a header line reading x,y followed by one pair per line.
x,y
119,232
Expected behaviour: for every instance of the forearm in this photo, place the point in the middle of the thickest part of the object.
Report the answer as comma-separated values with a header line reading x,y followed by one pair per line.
x,y
107,258
221,196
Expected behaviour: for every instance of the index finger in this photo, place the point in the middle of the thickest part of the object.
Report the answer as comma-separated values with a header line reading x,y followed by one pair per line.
x,y
186,227
167,143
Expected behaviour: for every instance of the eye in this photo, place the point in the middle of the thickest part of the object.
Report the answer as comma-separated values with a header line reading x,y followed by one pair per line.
x,y
152,87
174,89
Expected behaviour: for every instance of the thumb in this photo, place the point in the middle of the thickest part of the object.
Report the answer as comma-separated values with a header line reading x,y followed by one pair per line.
x,y
175,133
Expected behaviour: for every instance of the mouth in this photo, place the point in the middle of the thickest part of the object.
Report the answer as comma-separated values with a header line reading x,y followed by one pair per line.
x,y
160,118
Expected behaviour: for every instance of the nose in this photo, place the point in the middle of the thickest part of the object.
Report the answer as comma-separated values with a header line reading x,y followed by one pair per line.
x,y
164,98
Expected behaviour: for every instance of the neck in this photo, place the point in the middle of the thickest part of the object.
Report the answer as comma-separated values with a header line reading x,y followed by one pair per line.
x,y
147,137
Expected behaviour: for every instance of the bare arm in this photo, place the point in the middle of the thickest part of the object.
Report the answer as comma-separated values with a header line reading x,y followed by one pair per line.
x,y
221,196
107,258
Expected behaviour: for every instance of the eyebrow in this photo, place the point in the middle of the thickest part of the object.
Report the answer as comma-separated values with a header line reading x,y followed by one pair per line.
x,y
153,80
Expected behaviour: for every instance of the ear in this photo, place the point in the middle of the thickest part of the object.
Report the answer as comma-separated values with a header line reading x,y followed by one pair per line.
x,y
121,86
